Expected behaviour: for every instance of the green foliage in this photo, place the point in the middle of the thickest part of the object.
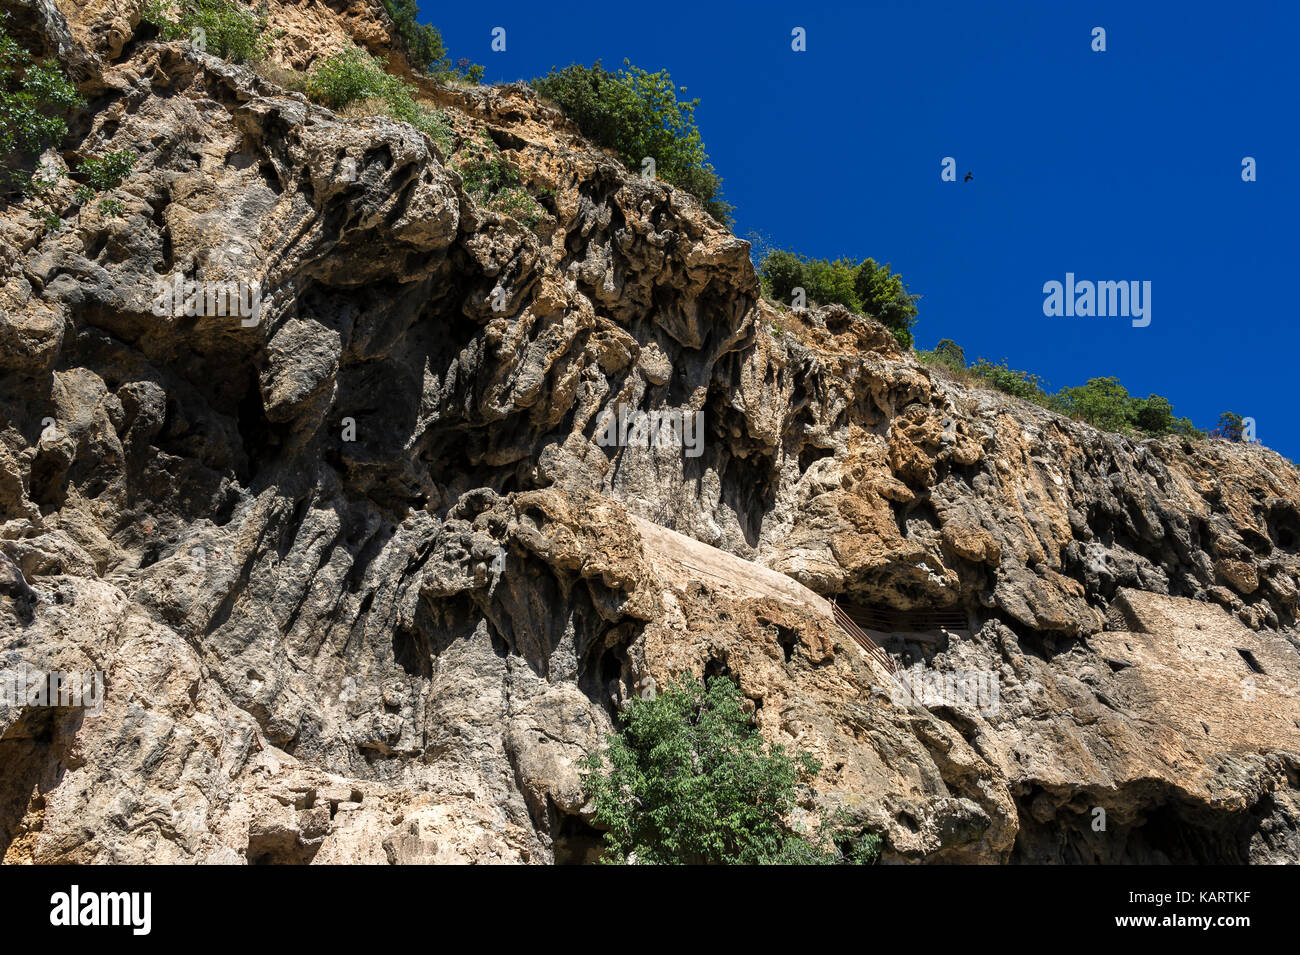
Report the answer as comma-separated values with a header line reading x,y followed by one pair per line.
x,y
35,99
1105,403
688,780
947,353
1021,384
423,41
355,76
823,282
636,114
230,30
884,297
106,172
1153,415
1230,428
350,76
424,47
494,183
863,287
1102,402
112,207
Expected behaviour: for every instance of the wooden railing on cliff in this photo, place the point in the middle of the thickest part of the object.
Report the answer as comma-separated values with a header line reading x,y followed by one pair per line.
x,y
858,634
887,620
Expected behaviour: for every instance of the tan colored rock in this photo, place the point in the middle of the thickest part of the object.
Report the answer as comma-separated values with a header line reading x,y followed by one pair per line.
x,y
365,586
1239,574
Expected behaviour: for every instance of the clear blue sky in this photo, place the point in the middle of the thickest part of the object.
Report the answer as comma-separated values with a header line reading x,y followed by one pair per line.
x,y
1122,165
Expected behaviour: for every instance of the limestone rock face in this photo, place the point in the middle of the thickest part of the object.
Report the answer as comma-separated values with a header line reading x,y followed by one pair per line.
x,y
365,584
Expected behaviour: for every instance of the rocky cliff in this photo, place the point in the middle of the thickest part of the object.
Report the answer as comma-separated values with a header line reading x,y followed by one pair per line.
x,y
364,582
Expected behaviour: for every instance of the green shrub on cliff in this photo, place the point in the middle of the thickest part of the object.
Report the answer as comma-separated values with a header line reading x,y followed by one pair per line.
x,y
948,354
424,47
688,780
1101,402
1011,381
494,182
885,298
863,287
223,28
1231,427
35,99
355,77
637,115
107,171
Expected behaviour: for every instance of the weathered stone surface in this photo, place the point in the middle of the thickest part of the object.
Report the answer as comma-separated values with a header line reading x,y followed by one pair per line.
x,y
394,649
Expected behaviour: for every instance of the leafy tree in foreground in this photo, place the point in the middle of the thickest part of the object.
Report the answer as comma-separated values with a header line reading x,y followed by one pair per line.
x,y
688,780
637,115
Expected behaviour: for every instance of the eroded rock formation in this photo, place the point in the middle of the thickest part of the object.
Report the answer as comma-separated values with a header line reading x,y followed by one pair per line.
x,y
395,648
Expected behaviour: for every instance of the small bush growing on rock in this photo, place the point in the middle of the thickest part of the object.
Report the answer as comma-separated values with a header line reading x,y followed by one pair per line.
x,y
354,77
1101,402
824,282
637,115
108,171
885,298
424,47
947,353
494,183
230,30
1021,384
1231,427
35,99
351,76
688,780
863,287
1105,403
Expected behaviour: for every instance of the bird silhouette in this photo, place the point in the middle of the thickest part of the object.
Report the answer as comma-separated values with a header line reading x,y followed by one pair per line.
x,y
968,178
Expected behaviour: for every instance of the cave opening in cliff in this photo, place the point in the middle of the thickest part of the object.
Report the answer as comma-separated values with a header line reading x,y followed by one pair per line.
x,y
1283,524
574,841
1141,825
280,846
258,436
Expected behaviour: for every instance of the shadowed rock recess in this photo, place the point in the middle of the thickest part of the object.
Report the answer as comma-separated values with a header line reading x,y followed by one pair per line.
x,y
394,649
